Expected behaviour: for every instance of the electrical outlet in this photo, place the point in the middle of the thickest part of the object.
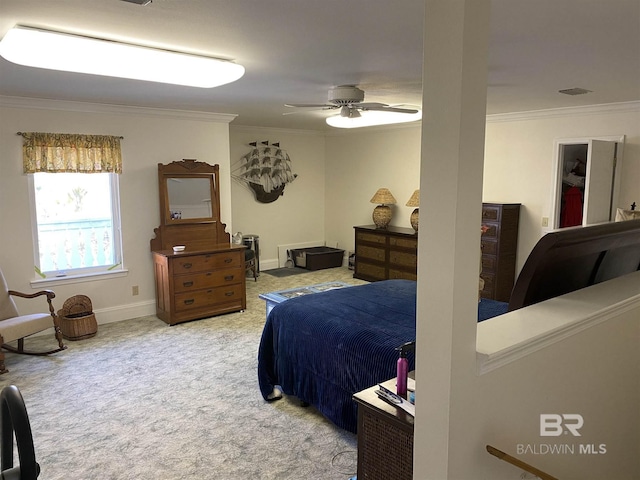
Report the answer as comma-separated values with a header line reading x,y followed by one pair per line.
x,y
545,221
135,290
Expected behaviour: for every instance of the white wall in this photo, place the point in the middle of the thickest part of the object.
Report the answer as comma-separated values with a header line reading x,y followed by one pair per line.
x,y
358,162
298,215
150,137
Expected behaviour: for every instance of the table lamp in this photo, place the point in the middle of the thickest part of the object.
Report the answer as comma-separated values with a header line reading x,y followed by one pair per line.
x,y
382,213
414,201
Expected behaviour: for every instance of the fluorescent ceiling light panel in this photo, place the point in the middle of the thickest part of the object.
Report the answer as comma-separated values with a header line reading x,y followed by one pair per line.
x,y
369,118
72,53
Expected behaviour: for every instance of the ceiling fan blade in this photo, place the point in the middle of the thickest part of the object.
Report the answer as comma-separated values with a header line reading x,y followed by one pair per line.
x,y
310,105
370,105
391,109
312,109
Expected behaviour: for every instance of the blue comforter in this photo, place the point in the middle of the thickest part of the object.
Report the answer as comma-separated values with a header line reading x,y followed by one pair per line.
x,y
325,347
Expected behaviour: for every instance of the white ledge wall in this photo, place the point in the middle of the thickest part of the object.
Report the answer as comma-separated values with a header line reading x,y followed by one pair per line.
x,y
507,338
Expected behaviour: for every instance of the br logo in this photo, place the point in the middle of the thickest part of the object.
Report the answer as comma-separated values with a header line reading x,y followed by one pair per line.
x,y
554,425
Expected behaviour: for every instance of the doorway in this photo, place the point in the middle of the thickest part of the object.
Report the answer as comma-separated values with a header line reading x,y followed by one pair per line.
x,y
586,181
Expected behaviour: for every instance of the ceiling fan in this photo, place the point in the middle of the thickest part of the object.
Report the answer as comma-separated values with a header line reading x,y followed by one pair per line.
x,y
349,99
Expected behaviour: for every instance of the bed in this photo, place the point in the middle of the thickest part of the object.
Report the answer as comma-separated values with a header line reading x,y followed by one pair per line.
x,y
323,348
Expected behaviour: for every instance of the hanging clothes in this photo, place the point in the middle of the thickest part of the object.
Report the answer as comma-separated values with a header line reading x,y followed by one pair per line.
x,y
571,214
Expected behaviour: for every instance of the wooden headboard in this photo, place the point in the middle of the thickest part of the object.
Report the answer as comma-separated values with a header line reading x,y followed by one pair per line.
x,y
575,258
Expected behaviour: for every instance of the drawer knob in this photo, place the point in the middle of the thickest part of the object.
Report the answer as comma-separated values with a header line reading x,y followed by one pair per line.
x,y
228,278
229,294
228,260
187,284
189,301
187,265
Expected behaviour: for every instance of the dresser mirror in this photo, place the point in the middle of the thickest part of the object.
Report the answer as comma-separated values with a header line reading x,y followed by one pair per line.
x,y
189,198
189,206
188,192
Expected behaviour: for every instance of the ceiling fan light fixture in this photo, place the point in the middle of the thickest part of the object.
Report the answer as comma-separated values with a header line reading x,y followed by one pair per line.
x,y
369,118
51,50
349,112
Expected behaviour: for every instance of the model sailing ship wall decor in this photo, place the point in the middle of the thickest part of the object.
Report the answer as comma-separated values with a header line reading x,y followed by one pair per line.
x,y
266,170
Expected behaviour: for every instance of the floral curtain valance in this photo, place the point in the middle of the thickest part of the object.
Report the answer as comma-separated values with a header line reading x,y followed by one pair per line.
x,y
74,153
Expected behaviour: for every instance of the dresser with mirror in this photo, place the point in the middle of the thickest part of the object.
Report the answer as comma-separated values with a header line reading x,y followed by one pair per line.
x,y
199,273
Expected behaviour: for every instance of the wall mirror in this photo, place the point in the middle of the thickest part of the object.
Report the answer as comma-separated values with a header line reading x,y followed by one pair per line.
x,y
188,192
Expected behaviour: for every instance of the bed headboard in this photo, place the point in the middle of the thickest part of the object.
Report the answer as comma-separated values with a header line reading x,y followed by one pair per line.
x,y
575,258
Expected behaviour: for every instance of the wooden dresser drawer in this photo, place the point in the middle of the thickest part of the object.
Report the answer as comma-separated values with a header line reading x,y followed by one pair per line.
x,y
403,242
201,299
490,213
489,247
488,263
492,232
206,262
403,259
371,253
370,237
217,278
371,271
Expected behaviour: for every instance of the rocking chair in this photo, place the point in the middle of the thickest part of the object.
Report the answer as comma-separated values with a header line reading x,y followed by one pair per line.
x,y
15,327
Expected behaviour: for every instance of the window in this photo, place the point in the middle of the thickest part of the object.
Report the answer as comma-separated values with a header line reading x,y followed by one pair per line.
x,y
73,183
76,223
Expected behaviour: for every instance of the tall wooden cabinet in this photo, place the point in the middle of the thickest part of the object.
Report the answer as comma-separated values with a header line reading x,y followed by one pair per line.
x,y
499,249
383,254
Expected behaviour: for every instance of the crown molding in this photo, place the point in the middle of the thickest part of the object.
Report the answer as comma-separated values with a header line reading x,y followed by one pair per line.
x,y
606,108
276,130
84,107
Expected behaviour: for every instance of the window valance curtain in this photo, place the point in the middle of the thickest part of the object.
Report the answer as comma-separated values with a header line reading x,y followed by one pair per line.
x,y
73,153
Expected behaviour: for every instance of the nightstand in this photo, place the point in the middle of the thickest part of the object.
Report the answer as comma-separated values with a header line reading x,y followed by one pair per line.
x,y
385,437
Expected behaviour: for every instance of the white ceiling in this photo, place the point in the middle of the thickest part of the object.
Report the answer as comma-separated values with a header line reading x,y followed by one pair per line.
x,y
295,50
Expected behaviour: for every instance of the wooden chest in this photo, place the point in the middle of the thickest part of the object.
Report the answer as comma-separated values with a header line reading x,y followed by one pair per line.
x,y
383,254
199,284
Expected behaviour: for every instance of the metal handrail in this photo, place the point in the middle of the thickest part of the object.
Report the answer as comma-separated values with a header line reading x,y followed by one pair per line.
x,y
519,463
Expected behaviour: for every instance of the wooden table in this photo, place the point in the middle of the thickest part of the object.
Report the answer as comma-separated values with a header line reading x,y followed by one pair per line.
x,y
274,298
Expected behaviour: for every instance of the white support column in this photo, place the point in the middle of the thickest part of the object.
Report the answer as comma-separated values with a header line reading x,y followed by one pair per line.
x,y
454,109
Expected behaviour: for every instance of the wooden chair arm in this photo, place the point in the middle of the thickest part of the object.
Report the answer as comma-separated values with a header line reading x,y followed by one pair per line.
x,y
49,293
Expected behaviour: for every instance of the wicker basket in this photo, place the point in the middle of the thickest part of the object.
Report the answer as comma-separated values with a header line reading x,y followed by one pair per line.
x,y
77,320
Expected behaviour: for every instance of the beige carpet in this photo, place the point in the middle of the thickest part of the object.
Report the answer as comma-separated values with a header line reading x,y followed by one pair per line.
x,y
142,400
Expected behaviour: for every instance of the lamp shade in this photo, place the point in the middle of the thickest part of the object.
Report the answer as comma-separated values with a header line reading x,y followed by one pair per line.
x,y
414,201
383,197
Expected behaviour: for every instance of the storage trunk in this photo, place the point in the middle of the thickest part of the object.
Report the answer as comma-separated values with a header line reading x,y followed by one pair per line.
x,y
317,258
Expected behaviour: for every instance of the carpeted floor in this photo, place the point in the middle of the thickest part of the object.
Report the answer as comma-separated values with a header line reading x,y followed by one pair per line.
x,y
142,400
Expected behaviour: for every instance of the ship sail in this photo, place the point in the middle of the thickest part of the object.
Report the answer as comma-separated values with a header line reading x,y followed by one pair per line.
x,y
266,169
